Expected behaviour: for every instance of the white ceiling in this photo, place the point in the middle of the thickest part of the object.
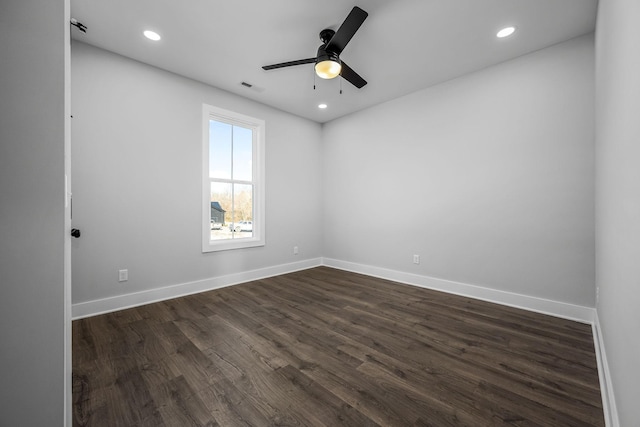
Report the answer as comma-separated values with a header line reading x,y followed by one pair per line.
x,y
403,46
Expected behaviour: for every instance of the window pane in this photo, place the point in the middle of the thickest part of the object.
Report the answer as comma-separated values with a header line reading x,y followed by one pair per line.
x,y
221,209
220,140
243,210
242,153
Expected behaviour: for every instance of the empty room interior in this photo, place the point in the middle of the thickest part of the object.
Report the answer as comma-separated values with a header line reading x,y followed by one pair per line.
x,y
303,213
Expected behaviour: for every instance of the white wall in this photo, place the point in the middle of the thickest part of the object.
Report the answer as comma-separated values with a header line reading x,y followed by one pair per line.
x,y
32,229
618,198
136,153
488,177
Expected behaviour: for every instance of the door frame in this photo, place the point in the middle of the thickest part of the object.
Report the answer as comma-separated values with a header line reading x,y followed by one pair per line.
x,y
68,374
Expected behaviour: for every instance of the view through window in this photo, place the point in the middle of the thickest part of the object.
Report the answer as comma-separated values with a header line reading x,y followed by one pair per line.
x,y
230,170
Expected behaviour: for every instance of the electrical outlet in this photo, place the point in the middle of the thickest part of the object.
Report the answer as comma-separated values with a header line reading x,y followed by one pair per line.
x,y
416,259
123,275
295,250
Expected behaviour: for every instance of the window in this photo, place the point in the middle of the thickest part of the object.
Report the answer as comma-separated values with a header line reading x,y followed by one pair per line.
x,y
233,180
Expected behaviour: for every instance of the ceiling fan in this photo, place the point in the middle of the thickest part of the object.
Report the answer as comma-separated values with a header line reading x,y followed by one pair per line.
x,y
328,62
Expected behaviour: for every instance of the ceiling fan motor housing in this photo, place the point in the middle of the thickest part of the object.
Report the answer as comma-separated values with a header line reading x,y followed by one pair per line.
x,y
326,55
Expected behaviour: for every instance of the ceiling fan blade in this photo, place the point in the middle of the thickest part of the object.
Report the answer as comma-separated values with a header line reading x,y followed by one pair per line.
x,y
290,63
351,76
346,31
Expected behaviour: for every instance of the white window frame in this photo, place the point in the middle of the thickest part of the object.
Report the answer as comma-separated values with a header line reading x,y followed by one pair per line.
x,y
209,112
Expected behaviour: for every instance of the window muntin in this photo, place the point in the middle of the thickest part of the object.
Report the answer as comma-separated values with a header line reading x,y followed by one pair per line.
x,y
233,180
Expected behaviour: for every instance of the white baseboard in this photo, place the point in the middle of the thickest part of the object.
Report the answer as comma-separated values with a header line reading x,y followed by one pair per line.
x,y
120,302
540,305
606,388
554,308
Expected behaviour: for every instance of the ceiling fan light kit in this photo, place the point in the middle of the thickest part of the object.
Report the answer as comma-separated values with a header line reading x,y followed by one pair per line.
x,y
328,69
328,64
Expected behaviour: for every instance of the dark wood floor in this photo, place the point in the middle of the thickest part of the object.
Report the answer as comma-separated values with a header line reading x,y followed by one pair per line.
x,y
326,347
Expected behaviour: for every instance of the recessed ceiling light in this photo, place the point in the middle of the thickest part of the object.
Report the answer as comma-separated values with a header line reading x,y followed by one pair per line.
x,y
322,106
505,32
152,35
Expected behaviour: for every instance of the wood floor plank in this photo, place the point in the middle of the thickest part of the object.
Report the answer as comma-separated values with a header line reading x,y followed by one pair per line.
x,y
458,356
232,406
320,403
535,357
179,405
324,347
